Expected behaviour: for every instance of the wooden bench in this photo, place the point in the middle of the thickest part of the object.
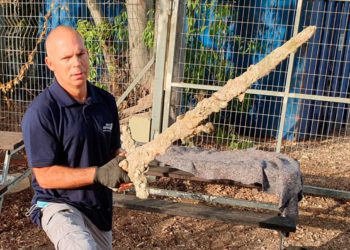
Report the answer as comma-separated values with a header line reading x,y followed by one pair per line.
x,y
272,221
11,142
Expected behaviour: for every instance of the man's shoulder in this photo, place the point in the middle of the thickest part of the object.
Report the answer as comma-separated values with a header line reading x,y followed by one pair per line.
x,y
41,111
42,102
103,95
100,91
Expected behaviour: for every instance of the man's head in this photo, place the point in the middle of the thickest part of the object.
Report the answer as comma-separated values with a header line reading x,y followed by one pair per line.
x,y
67,57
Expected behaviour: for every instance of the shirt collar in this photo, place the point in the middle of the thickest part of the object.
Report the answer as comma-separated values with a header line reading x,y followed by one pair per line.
x,y
65,100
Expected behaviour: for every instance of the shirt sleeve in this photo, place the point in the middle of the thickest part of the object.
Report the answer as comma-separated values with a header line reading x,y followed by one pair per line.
x,y
41,144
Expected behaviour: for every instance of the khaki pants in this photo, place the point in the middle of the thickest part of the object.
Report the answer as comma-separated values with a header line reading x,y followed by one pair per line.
x,y
68,229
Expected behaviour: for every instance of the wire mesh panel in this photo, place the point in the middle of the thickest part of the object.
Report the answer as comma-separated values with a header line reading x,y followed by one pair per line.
x,y
323,73
222,38
18,44
119,36
218,41
305,99
301,108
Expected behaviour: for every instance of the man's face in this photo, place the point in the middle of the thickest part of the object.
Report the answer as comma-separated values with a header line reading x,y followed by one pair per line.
x,y
68,59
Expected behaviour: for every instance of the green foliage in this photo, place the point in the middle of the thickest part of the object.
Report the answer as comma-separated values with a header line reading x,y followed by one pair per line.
x,y
148,33
242,107
209,65
205,65
89,33
120,27
230,137
111,36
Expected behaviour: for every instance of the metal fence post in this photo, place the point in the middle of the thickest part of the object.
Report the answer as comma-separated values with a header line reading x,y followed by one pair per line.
x,y
289,78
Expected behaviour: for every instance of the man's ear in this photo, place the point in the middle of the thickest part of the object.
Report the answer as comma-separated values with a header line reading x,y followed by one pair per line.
x,y
49,63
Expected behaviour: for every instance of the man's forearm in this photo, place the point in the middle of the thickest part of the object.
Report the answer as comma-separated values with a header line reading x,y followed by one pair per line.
x,y
61,177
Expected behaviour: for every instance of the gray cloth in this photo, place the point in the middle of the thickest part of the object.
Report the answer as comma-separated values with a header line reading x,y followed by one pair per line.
x,y
277,173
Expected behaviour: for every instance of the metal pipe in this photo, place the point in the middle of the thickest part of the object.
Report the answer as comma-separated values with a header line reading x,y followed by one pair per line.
x,y
288,82
213,199
266,92
327,192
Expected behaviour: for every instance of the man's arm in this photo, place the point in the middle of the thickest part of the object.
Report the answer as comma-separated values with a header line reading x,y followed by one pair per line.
x,y
61,177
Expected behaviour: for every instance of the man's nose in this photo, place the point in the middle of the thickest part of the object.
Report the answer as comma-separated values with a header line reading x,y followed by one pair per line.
x,y
76,61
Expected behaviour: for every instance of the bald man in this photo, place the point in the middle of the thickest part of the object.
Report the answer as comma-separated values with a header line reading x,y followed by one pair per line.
x,y
72,137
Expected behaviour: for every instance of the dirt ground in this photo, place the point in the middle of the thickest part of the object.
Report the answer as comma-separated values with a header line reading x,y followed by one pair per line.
x,y
324,222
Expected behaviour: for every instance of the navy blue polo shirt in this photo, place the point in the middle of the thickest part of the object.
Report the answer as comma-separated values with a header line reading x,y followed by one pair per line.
x,y
58,130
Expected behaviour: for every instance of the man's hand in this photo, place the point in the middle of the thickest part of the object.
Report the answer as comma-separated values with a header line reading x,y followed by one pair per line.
x,y
111,175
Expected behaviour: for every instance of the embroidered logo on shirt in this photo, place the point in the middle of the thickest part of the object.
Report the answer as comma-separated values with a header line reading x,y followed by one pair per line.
x,y
107,127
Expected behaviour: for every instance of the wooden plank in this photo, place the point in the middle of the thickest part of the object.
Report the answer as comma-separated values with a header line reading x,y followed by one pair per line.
x,y
10,140
205,212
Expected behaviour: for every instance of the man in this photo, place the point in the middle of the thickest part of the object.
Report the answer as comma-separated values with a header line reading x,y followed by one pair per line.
x,y
71,133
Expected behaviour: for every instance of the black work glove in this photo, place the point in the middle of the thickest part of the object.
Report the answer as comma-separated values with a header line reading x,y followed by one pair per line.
x,y
110,174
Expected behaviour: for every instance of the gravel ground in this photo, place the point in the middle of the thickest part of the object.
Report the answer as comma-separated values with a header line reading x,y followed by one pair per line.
x,y
324,222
